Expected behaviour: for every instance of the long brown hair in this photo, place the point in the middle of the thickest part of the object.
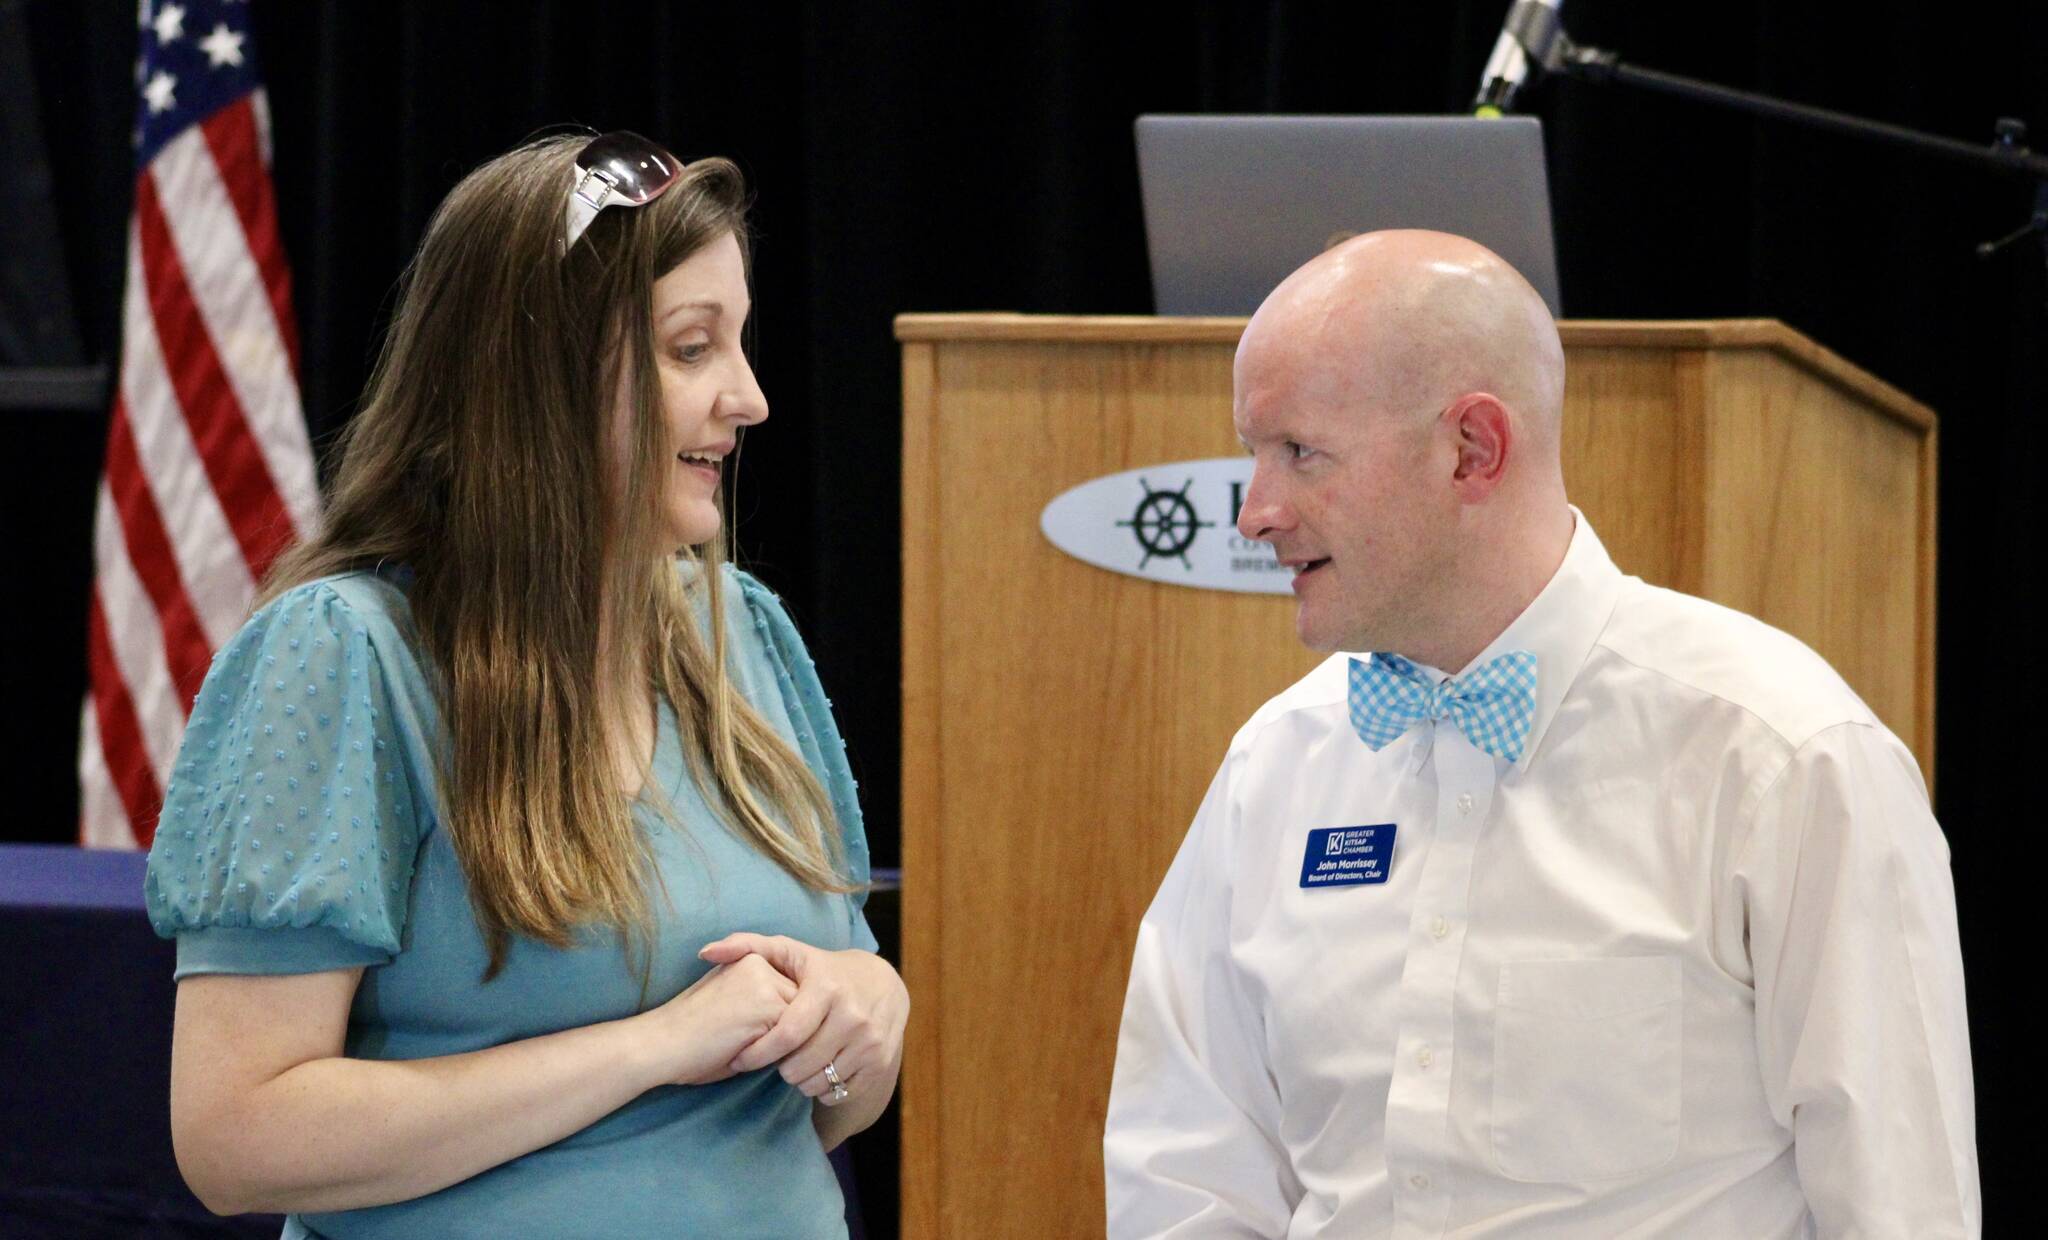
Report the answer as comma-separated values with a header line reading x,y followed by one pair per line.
x,y
482,459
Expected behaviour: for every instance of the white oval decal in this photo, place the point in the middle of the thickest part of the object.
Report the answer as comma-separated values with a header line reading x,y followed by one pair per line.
x,y
1175,523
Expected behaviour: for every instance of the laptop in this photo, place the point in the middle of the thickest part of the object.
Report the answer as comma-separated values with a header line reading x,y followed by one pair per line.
x,y
1235,203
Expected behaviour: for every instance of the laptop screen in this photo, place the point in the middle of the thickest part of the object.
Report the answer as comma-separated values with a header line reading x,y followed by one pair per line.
x,y
1233,204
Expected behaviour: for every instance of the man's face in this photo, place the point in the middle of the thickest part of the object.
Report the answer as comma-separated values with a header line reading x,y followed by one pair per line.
x,y
1340,488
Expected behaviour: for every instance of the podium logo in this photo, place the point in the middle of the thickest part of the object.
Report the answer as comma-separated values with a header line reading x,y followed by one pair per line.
x,y
1166,523
1173,523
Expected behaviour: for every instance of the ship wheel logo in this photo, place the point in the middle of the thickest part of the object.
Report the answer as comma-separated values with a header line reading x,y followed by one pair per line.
x,y
1165,524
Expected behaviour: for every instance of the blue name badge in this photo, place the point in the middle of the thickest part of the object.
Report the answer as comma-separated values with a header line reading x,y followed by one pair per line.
x,y
1346,856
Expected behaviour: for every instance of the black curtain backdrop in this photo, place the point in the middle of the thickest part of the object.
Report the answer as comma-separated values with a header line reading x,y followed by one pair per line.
x,y
919,156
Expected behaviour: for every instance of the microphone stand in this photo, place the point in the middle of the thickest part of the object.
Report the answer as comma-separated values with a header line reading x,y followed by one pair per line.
x,y
2007,154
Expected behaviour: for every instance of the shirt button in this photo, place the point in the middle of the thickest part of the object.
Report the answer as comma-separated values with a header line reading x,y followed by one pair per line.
x,y
1418,1181
1464,802
1425,1057
1438,927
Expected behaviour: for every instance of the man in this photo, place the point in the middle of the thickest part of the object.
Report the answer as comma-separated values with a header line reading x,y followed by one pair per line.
x,y
1581,908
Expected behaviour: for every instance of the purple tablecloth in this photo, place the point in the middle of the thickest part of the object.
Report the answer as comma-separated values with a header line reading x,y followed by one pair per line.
x,y
85,1131
47,876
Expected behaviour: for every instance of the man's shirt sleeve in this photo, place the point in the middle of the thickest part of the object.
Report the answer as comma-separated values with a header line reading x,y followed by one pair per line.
x,y
1859,989
1192,1144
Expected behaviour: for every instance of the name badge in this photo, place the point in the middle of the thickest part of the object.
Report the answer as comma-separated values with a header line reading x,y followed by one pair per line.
x,y
1346,856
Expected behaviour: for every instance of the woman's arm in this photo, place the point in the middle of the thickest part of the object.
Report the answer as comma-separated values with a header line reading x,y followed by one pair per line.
x,y
267,1114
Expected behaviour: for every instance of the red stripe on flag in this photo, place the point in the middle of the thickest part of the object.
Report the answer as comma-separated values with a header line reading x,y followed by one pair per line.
x,y
155,562
220,427
231,136
120,729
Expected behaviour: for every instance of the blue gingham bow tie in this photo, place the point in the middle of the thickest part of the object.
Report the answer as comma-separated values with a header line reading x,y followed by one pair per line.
x,y
1493,704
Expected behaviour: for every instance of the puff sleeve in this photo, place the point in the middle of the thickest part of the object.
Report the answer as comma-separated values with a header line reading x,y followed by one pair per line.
x,y
794,683
289,829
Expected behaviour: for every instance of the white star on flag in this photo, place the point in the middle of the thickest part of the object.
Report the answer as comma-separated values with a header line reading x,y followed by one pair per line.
x,y
161,92
222,47
170,24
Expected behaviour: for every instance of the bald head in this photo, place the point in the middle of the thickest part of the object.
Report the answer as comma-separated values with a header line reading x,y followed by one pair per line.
x,y
1401,398
1407,321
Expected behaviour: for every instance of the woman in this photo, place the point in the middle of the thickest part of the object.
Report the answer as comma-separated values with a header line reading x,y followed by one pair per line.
x,y
512,854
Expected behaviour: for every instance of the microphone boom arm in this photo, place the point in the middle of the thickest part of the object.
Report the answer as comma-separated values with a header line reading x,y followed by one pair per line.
x,y
1592,64
2007,153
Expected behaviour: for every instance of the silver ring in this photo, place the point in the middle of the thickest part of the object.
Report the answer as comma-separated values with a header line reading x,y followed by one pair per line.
x,y
837,1096
832,1076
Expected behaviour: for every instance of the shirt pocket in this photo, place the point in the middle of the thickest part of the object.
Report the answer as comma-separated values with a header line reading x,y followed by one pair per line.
x,y
1586,1067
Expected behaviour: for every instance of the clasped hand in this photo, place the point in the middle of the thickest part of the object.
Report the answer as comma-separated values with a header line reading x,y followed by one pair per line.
x,y
773,1000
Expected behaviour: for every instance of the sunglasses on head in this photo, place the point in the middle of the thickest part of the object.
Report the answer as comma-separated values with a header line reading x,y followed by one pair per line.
x,y
617,169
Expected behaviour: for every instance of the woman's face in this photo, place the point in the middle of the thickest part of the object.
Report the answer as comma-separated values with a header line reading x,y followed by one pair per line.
x,y
707,389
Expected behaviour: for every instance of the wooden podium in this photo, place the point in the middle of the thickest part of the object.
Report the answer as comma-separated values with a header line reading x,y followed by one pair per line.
x,y
1061,722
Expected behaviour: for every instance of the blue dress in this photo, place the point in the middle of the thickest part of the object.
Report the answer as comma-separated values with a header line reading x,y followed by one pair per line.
x,y
300,833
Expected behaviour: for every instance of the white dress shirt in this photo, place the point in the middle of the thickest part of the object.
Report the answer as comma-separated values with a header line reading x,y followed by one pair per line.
x,y
1687,968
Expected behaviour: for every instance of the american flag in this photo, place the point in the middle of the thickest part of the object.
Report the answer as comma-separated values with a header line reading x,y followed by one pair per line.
x,y
209,473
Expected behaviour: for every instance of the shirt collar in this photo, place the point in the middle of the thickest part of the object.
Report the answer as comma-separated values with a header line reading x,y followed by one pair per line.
x,y
1560,625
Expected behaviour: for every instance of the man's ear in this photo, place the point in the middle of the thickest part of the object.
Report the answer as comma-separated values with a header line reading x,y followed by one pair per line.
x,y
1485,435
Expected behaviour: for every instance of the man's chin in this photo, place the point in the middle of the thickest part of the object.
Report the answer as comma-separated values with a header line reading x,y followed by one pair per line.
x,y
1318,630
1313,631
